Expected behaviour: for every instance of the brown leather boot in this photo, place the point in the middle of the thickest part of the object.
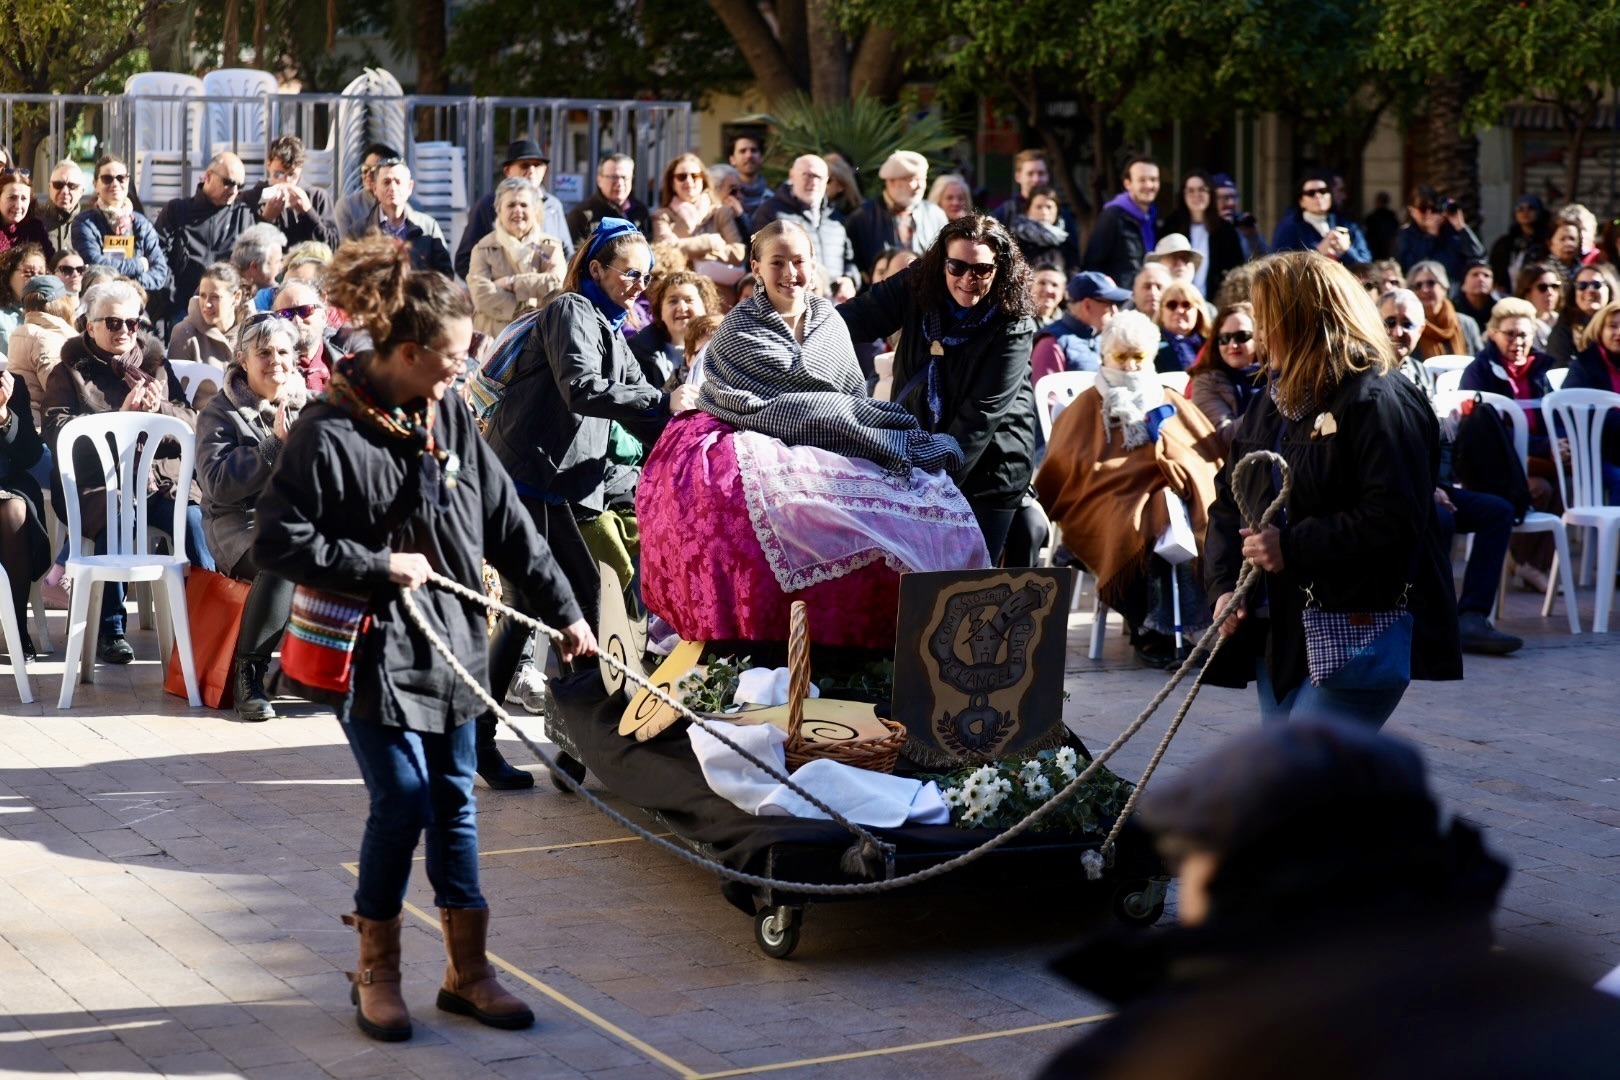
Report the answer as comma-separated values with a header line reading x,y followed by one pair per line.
x,y
469,981
379,1007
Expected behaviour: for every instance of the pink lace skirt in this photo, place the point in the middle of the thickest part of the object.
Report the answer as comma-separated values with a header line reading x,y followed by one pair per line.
x,y
702,567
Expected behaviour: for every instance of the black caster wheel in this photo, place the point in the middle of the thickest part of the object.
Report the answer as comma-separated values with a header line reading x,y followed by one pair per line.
x,y
570,766
776,930
1140,902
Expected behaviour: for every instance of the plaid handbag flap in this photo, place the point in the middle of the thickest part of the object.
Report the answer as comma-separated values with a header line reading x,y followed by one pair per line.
x,y
1334,638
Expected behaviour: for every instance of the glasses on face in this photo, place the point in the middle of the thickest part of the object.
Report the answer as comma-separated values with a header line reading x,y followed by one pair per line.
x,y
1178,305
688,176
1393,323
1514,335
1525,206
114,324
1429,284
961,268
301,311
65,270
113,178
1590,286
1236,337
1124,358
454,361
227,181
66,185
634,277
1316,192
1546,286
615,178
1424,208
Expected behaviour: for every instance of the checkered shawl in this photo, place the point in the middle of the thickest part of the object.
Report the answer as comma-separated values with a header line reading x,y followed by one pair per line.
x,y
758,378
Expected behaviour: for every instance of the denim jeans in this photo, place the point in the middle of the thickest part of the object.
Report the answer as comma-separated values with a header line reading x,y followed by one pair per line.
x,y
159,514
1490,519
417,782
1308,701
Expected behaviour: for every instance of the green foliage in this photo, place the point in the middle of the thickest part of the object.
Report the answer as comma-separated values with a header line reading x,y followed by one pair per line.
x,y
654,49
711,689
45,47
863,129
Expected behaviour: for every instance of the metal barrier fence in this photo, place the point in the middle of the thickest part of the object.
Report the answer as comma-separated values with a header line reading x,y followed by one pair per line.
x,y
454,144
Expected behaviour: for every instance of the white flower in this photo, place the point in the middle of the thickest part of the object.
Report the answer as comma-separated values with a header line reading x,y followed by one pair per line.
x,y
1066,759
1038,787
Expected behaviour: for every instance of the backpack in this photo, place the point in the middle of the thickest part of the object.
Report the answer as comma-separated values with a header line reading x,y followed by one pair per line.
x,y
486,386
1484,458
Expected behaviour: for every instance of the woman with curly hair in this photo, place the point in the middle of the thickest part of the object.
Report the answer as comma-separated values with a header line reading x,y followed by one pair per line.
x,y
676,299
966,320
17,265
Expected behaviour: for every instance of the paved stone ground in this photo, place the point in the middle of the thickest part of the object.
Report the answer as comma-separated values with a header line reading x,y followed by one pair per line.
x,y
171,881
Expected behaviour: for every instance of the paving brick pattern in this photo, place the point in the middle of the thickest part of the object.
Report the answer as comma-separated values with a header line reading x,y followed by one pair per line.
x,y
171,881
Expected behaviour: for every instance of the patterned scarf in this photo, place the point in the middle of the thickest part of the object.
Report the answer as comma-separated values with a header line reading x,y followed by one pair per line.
x,y
965,322
1133,403
1294,411
127,365
352,392
120,218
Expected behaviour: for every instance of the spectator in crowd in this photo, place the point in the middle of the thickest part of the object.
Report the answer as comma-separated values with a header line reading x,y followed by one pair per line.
x,y
1176,254
1227,377
1210,236
1039,232
1477,294
1229,205
1542,284
1436,230
65,200
1525,241
111,233
1313,226
306,262
1359,529
725,187
1591,288
208,332
203,229
951,194
1128,226
393,216
1070,343
17,266
378,433
354,210
695,219
747,156
301,213
240,433
1117,454
320,345
1458,510
900,217
1583,249
68,266
1387,275
516,267
113,367
699,332
575,378
35,347
524,161
25,549
843,189
877,357
97,274
963,365
614,197
17,225
1046,286
257,255
1445,332
676,300
803,198
1381,228
1184,318
1564,246
1148,288
1609,243
1031,170
1597,365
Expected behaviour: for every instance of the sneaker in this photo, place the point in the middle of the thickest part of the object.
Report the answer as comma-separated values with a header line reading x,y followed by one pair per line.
x,y
1479,636
114,650
529,689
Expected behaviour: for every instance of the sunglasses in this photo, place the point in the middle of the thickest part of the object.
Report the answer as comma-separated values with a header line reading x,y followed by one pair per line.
x,y
632,276
114,324
227,181
1404,324
688,176
1429,284
113,178
8,172
1593,286
302,311
1236,337
70,271
1178,305
1546,286
1311,193
1520,336
1525,206
959,268
65,185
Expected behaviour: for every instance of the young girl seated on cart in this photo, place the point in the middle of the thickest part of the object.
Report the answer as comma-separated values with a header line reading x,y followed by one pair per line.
x,y
789,483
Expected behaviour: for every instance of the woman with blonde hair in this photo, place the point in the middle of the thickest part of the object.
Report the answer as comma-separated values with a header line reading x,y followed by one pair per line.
x,y
1356,552
951,194
517,267
1184,317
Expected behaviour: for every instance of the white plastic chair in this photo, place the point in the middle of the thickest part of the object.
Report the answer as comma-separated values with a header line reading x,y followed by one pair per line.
x,y
1578,416
1447,381
239,126
13,640
195,374
1439,365
168,135
1556,377
1054,391
1175,380
1535,521
125,472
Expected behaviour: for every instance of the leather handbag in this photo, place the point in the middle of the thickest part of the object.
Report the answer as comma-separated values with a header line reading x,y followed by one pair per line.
x,y
214,605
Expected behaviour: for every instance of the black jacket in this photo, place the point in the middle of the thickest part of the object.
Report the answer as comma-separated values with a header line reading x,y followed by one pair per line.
x,y
1487,373
1590,371
318,225
653,352
196,233
833,248
575,376
1116,246
1225,247
20,450
583,218
1359,526
320,520
986,400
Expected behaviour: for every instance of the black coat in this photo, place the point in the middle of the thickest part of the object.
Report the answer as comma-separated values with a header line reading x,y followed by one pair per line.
x,y
236,451
19,452
320,520
318,225
195,234
583,218
575,376
987,404
1359,526
1590,371
834,250
1116,247
1225,247
1487,373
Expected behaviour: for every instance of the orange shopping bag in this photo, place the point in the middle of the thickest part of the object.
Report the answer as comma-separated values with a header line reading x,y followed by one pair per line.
x,y
214,605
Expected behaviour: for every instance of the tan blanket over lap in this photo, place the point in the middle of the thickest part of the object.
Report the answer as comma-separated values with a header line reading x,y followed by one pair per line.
x,y
1106,498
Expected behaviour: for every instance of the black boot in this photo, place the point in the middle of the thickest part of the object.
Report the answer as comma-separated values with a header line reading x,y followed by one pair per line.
x,y
494,768
252,703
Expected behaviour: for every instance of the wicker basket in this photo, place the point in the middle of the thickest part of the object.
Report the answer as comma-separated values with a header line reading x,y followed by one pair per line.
x,y
877,755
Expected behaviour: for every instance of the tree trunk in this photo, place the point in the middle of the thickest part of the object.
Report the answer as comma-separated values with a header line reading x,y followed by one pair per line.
x,y
829,55
168,36
259,20
879,67
1029,99
1578,123
430,39
231,49
331,24
793,35
1451,158
759,47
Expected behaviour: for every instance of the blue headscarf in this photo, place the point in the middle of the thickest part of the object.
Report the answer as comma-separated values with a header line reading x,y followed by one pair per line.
x,y
607,228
